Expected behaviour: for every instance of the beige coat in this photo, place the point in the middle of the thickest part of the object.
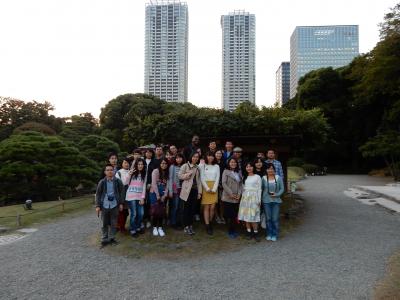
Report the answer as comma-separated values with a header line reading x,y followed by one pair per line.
x,y
230,186
187,173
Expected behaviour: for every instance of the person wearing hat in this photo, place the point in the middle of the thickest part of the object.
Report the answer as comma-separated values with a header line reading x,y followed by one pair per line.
x,y
237,154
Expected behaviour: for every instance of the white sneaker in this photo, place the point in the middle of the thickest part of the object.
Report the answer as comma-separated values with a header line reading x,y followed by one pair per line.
x,y
268,238
161,231
155,231
148,224
274,239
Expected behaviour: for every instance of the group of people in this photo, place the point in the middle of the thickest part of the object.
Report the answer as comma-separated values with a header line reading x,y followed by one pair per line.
x,y
155,188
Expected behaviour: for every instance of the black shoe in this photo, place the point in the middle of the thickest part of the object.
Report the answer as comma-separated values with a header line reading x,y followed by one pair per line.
x,y
249,235
256,237
208,229
113,242
104,243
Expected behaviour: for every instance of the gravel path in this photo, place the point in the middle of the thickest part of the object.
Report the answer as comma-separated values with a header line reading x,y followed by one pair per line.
x,y
338,253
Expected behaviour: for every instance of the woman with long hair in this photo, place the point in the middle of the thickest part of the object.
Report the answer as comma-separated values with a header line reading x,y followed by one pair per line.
x,y
232,191
210,181
135,196
273,188
249,209
174,190
219,211
158,196
191,190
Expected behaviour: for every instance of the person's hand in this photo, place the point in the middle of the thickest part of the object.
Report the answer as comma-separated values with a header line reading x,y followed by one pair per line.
x,y
208,190
121,207
130,172
141,202
98,210
198,196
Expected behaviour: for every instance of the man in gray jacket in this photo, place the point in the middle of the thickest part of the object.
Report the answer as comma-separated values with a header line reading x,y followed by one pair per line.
x,y
108,200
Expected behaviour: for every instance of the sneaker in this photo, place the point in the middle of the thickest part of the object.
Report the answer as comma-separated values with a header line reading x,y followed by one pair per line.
x,y
113,242
218,220
197,217
186,230
223,221
274,239
191,230
133,232
161,231
268,238
148,224
155,231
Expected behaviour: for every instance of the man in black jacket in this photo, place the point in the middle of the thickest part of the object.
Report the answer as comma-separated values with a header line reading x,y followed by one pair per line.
x,y
109,198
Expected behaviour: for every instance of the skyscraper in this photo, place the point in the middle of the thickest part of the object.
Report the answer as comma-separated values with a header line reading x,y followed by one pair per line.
x,y
314,47
282,84
238,59
166,50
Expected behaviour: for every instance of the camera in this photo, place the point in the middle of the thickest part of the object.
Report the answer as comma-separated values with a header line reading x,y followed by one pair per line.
x,y
110,198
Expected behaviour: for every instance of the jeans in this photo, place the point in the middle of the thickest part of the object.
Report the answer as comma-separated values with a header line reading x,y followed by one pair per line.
x,y
136,215
272,213
174,209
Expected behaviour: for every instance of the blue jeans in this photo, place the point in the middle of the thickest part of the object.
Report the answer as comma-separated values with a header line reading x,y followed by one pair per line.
x,y
272,213
136,215
174,209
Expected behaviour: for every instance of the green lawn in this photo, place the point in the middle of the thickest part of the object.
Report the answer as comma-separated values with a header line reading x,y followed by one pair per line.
x,y
295,173
43,211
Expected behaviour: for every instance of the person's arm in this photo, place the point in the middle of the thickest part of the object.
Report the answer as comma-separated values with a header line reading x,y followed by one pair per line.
x,y
199,187
144,191
281,187
99,193
154,178
225,185
183,175
259,189
216,182
120,186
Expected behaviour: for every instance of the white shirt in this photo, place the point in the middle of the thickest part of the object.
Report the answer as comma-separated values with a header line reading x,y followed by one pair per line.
x,y
210,173
125,176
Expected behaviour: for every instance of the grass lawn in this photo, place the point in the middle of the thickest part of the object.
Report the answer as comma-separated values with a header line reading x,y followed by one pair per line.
x,y
389,287
43,211
177,245
295,173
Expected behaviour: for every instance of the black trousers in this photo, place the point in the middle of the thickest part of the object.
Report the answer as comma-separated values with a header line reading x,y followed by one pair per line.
x,y
189,208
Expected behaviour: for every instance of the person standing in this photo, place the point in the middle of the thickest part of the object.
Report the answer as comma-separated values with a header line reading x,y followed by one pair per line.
x,y
174,190
159,155
212,147
228,151
124,175
259,167
108,201
135,197
173,150
209,175
150,166
113,160
272,190
191,190
219,212
237,154
187,152
232,191
277,164
158,196
249,209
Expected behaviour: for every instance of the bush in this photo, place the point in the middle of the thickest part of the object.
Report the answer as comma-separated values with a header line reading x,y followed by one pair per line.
x,y
295,162
310,168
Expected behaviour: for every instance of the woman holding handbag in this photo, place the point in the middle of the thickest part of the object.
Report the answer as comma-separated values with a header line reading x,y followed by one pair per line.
x,y
191,190
158,196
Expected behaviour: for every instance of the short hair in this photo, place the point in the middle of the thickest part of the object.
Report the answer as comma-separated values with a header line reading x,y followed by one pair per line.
x,y
137,151
112,154
269,165
270,149
108,165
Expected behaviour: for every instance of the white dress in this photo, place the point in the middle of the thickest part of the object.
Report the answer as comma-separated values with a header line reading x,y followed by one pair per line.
x,y
249,209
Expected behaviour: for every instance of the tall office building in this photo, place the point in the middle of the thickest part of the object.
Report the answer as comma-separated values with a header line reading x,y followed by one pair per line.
x,y
238,59
282,84
166,50
314,47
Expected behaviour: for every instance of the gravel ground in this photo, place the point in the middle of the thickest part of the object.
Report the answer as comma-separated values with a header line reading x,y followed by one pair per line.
x,y
338,253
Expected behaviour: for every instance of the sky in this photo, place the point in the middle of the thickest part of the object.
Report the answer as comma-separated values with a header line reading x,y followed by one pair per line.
x,y
80,54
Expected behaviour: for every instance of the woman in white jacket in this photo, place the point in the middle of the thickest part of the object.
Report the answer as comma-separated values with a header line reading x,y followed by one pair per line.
x,y
209,174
